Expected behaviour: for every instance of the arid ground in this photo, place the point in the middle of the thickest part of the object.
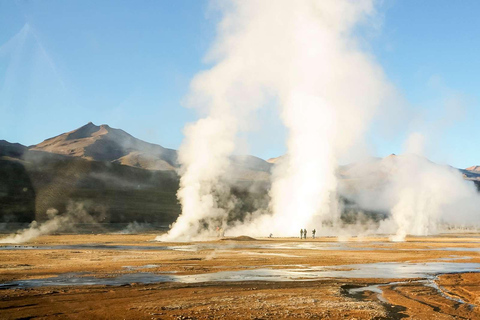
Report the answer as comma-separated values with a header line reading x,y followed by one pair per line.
x,y
115,276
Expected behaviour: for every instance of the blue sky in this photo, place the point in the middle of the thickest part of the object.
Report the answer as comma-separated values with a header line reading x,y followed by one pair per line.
x,y
129,64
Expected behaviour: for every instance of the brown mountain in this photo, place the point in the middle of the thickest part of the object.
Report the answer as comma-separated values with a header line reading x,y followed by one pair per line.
x,y
472,173
103,143
11,150
33,181
120,178
113,175
474,169
274,160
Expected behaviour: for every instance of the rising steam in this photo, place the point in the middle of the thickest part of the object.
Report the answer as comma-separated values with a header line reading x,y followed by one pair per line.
x,y
429,195
306,58
302,55
76,213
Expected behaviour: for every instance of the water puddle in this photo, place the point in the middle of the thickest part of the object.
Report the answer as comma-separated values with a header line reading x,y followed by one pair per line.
x,y
375,270
430,282
285,255
78,279
373,288
205,246
134,268
470,249
85,247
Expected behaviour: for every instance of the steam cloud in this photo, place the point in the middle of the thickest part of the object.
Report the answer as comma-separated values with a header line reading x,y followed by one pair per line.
x,y
429,195
76,213
306,58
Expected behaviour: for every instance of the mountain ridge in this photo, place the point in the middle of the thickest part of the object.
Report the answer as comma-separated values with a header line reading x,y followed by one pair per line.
x,y
104,143
120,178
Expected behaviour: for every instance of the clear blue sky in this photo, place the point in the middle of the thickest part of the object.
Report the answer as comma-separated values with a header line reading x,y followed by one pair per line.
x,y
129,63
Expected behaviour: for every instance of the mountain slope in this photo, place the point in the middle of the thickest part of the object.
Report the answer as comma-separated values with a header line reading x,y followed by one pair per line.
x,y
11,150
472,173
32,182
103,143
474,169
124,179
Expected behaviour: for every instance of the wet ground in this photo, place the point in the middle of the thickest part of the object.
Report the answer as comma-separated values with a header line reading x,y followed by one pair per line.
x,y
66,276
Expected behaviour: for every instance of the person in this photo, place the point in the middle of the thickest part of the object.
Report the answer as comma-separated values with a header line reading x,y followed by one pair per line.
x,y
301,233
313,233
305,233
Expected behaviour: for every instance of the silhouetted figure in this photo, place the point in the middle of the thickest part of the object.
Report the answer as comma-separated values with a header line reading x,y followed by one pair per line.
x,y
313,233
305,233
301,233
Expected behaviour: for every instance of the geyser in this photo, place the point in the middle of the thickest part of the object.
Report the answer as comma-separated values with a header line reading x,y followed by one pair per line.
x,y
303,56
306,58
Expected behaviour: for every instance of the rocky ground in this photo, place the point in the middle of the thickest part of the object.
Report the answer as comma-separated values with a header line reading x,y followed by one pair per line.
x,y
109,256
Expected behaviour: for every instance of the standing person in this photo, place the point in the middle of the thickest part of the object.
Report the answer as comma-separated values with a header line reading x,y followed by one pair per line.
x,y
301,233
305,233
313,233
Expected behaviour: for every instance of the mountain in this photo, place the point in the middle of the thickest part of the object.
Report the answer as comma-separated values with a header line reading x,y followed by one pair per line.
x,y
472,173
116,177
274,160
32,182
475,169
17,197
11,150
103,143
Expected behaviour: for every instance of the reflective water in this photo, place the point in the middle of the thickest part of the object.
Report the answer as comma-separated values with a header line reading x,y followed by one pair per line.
x,y
374,270
85,247
212,246
377,288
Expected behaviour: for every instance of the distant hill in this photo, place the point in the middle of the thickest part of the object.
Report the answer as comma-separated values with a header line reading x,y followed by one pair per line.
x,y
472,173
119,178
274,160
32,181
103,143
115,176
12,150
474,169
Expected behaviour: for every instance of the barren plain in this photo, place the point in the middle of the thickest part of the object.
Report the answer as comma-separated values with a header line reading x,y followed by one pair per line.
x,y
118,276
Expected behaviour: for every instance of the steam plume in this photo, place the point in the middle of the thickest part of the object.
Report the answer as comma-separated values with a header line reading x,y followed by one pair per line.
x,y
332,94
429,195
302,55
76,213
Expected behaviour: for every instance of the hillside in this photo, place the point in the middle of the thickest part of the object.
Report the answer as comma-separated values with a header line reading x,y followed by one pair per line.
x,y
37,181
111,174
103,143
119,178
472,173
474,169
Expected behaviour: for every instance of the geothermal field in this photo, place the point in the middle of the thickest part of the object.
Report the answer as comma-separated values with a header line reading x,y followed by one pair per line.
x,y
131,276
322,168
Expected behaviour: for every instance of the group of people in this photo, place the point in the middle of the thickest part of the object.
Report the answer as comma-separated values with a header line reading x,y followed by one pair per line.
x,y
303,233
